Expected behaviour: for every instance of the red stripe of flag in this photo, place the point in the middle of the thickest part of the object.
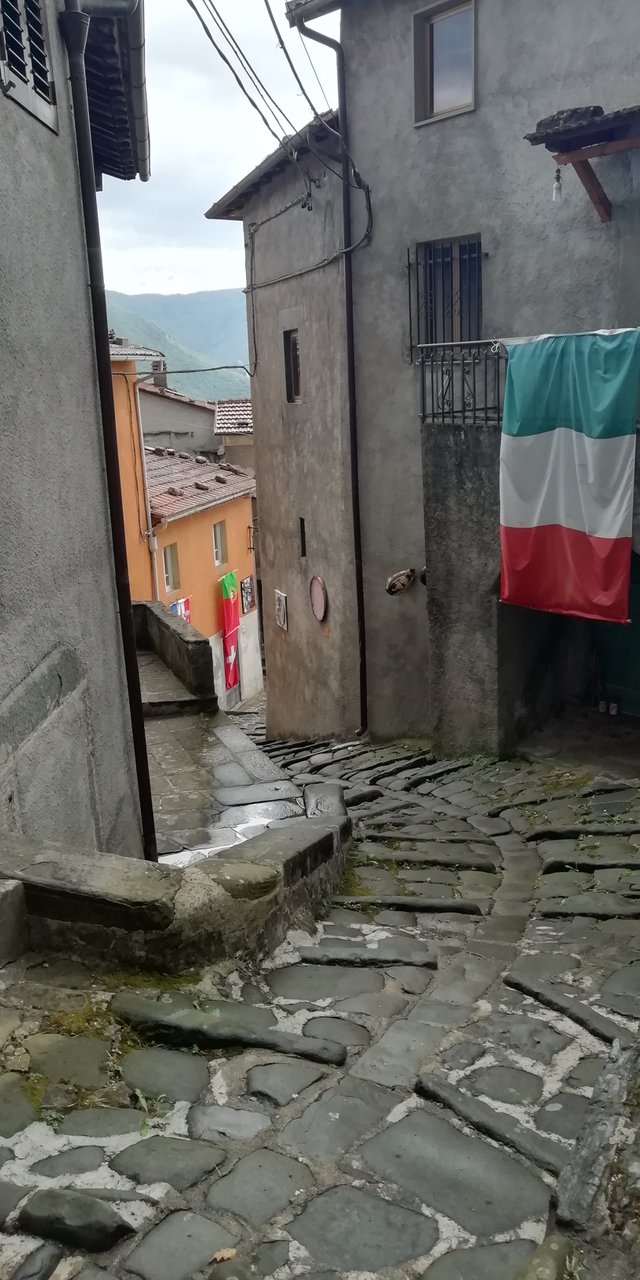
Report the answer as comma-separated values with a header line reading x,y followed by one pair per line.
x,y
566,571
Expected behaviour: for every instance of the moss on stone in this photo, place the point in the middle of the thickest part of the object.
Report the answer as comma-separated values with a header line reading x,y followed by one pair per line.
x,y
34,1086
91,1019
352,885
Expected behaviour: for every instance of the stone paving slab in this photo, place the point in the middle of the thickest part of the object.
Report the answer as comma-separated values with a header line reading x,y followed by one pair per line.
x,y
479,1186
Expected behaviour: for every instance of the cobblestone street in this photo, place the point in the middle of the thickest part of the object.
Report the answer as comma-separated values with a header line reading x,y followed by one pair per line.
x,y
420,1084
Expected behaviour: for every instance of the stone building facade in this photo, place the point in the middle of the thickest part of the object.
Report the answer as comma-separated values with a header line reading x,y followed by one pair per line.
x,y
66,760
466,244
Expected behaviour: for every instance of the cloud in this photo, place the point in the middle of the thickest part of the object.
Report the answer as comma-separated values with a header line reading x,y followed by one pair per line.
x,y
204,137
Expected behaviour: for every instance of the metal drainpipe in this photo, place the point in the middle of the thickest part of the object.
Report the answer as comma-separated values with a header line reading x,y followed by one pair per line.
x,y
75,27
152,541
351,364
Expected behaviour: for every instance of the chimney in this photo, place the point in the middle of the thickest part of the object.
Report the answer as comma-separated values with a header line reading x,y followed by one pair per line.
x,y
159,370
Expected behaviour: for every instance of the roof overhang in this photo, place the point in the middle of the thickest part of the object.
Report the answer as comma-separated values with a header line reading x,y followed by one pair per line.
x,y
582,134
115,67
230,206
307,9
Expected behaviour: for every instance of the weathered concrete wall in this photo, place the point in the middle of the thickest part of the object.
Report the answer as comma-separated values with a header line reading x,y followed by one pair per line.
x,y
302,465
67,771
239,451
249,655
495,671
177,424
545,268
183,649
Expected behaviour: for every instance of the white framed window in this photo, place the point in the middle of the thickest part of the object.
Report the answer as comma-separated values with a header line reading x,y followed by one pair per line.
x,y
171,567
25,73
220,542
443,38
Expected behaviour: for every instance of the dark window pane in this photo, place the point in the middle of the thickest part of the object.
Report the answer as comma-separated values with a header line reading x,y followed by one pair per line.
x,y
452,61
292,365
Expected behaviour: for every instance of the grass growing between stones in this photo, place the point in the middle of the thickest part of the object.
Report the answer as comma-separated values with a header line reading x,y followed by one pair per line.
x,y
91,1019
34,1087
352,886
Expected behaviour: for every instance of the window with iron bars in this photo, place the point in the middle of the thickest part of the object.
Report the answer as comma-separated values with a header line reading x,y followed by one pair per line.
x,y
449,290
25,72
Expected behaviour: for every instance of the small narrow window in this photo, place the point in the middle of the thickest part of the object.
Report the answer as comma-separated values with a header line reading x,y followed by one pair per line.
x,y
171,570
303,538
292,365
24,58
443,53
220,542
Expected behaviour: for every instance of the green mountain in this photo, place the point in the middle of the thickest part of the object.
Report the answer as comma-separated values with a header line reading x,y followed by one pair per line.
x,y
194,331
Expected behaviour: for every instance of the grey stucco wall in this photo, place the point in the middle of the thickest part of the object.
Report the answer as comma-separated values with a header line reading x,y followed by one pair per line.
x,y
302,465
545,268
239,450
66,763
177,425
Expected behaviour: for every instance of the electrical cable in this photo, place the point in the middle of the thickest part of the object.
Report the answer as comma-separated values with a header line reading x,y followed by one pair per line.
x,y
222,55
266,96
313,68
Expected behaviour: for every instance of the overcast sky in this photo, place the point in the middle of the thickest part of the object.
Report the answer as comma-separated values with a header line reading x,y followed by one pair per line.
x,y
204,137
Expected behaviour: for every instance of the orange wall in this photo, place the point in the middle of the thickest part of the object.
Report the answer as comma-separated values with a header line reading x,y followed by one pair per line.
x,y
131,479
199,575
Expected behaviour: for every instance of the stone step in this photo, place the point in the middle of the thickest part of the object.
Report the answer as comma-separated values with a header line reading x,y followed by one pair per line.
x,y
223,1024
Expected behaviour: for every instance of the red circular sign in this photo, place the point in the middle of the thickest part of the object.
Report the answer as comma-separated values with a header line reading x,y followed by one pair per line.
x,y
318,596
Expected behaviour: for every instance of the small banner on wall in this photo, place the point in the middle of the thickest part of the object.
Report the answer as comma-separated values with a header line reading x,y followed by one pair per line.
x,y
566,473
231,623
182,608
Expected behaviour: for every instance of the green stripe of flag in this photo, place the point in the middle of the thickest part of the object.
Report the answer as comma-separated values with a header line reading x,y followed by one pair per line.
x,y
585,382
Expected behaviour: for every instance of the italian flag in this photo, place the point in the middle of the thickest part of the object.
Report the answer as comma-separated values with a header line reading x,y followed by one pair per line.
x,y
566,473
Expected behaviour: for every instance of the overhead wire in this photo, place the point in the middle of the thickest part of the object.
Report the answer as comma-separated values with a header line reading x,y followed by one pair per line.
x,y
278,115
221,54
267,97
313,68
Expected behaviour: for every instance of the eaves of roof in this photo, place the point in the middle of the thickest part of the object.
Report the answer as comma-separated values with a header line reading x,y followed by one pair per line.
x,y
231,205
116,85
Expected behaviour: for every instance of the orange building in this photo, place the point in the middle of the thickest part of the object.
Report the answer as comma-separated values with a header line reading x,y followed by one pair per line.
x,y
188,523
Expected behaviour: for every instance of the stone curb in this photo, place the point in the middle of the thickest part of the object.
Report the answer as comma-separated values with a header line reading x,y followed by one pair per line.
x,y
153,916
581,1190
548,1262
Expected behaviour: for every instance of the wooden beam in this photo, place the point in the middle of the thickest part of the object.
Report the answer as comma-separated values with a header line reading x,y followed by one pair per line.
x,y
598,149
594,189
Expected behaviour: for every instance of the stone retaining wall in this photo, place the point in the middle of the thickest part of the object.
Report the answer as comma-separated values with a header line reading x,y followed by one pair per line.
x,y
166,918
182,649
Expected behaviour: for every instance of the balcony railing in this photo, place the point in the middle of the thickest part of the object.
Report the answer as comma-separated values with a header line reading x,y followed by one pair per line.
x,y
461,383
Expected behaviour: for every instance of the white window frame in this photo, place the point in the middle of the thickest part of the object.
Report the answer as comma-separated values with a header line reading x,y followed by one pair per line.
x,y
171,567
11,83
220,552
423,21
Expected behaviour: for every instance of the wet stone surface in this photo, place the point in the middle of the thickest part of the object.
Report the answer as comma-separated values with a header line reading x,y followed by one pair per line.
x,y
441,1103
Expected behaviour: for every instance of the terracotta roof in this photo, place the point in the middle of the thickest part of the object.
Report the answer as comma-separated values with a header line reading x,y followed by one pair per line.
x,y
234,418
120,349
168,393
180,484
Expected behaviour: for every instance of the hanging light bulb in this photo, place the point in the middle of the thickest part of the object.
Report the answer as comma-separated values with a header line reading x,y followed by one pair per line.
x,y
557,187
